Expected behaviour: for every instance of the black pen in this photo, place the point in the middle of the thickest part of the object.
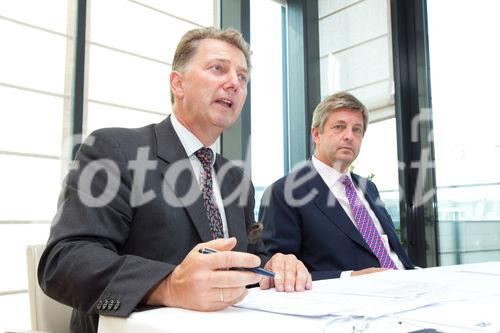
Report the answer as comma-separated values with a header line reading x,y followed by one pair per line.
x,y
258,270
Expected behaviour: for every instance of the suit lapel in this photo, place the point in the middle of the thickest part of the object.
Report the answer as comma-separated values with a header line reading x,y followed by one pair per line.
x,y
372,199
182,185
328,204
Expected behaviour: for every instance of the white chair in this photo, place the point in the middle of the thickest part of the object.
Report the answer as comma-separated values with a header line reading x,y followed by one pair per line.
x,y
47,315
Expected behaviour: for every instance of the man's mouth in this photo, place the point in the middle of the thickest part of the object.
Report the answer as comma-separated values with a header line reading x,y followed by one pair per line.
x,y
225,102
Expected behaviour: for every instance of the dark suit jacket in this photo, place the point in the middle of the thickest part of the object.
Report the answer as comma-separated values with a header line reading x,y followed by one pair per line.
x,y
103,260
318,231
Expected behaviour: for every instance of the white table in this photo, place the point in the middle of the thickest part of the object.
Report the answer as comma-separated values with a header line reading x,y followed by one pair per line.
x,y
481,314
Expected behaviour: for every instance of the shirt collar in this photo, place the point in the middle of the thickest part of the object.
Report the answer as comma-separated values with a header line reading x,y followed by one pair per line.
x,y
188,140
329,174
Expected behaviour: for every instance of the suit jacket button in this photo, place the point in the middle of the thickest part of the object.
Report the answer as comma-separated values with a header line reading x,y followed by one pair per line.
x,y
117,305
111,303
99,305
105,304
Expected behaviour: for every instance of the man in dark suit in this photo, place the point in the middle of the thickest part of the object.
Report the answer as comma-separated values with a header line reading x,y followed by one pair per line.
x,y
331,219
139,204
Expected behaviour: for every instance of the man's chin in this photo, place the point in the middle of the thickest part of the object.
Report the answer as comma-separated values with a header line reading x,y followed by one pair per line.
x,y
346,155
223,122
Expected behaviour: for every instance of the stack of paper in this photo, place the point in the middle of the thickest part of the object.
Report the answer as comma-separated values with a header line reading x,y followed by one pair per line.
x,y
465,297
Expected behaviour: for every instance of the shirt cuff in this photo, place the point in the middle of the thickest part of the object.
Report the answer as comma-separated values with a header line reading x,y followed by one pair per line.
x,y
345,274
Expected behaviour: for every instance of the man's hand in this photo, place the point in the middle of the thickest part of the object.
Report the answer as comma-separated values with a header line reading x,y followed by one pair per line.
x,y
203,281
368,271
291,274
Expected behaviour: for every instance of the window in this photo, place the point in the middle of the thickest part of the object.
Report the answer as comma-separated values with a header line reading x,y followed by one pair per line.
x,y
464,71
267,94
381,164
131,46
356,56
34,39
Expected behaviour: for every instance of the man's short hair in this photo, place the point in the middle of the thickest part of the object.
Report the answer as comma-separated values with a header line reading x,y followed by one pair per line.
x,y
188,45
339,100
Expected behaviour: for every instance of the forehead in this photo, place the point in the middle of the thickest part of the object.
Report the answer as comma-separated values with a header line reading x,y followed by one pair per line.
x,y
346,115
212,49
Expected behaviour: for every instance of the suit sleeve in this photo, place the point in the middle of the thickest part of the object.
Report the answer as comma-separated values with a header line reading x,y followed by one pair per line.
x,y
282,224
283,229
254,230
82,265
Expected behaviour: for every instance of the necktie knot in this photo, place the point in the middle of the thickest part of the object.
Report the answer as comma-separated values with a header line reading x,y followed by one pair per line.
x,y
205,155
347,181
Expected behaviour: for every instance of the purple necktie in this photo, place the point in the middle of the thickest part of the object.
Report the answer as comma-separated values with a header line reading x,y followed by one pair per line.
x,y
366,227
205,155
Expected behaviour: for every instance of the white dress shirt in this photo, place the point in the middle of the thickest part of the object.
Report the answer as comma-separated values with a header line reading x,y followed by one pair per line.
x,y
191,144
332,179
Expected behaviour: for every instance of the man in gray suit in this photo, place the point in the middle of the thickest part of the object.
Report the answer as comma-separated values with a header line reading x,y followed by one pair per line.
x,y
139,204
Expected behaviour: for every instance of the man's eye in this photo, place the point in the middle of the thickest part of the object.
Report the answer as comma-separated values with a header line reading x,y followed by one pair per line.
x,y
337,127
358,130
243,77
217,67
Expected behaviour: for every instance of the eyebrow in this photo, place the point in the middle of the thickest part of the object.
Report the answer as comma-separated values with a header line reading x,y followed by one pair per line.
x,y
344,122
227,61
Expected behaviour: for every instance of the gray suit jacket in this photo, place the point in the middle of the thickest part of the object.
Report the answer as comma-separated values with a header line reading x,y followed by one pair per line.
x,y
104,259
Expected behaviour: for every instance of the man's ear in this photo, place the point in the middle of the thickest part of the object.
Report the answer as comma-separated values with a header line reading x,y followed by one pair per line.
x,y
315,134
176,84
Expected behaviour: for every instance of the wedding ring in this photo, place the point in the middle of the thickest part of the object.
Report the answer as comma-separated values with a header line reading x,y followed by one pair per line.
x,y
221,295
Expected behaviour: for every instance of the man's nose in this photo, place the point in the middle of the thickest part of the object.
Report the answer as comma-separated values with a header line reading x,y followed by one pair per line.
x,y
348,134
232,83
